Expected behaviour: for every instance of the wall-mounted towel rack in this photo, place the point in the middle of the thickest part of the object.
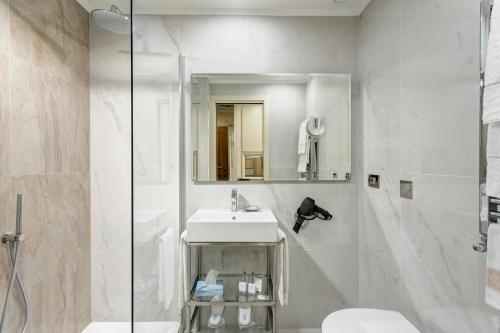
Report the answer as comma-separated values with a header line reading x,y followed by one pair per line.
x,y
489,207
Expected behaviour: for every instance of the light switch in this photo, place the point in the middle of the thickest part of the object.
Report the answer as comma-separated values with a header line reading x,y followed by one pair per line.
x,y
406,189
374,181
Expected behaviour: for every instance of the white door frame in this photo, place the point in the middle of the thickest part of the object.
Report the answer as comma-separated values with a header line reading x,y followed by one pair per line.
x,y
214,100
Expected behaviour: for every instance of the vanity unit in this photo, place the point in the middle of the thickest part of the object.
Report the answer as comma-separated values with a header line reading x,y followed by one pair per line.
x,y
226,228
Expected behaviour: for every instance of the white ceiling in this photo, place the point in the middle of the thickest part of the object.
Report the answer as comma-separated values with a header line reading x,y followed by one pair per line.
x,y
236,7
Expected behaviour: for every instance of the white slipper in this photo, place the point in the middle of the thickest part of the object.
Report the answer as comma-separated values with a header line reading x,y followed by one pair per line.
x,y
245,316
217,313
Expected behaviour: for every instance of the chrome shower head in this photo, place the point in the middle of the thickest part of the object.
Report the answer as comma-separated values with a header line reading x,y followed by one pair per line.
x,y
112,20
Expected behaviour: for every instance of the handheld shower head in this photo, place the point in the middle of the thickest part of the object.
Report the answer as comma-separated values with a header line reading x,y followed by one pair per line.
x,y
111,19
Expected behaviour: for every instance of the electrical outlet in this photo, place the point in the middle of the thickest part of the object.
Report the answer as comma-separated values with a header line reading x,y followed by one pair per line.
x,y
374,181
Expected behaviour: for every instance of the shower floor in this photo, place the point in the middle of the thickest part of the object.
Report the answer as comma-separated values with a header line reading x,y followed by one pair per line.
x,y
139,327
157,327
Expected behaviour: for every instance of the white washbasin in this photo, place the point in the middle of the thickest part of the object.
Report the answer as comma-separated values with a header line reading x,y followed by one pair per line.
x,y
223,225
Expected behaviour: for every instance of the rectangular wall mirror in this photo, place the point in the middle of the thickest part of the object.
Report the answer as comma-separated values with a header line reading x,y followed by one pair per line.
x,y
271,127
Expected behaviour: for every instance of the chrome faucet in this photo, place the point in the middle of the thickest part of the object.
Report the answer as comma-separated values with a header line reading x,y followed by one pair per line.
x,y
234,200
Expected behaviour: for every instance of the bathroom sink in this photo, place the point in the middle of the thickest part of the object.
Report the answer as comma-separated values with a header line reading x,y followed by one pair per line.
x,y
224,225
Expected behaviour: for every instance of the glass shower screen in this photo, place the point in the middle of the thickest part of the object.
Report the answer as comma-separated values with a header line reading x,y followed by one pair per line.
x,y
156,173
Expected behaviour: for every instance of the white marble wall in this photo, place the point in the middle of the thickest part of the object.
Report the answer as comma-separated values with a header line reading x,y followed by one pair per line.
x,y
418,66
110,96
324,255
156,168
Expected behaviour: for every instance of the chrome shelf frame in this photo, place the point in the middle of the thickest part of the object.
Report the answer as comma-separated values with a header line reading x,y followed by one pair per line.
x,y
193,307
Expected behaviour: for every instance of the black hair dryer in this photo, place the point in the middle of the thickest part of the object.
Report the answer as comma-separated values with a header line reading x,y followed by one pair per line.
x,y
309,211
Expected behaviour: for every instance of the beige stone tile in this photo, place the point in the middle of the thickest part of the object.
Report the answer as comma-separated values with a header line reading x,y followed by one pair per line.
x,y
55,262
74,119
52,34
57,224
61,302
6,225
49,123
4,26
4,113
35,145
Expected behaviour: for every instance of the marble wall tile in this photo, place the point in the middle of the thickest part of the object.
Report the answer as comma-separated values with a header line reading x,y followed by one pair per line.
x,y
110,134
52,35
4,114
323,281
429,316
7,224
54,263
437,228
270,44
111,285
379,39
378,287
44,148
379,227
4,26
56,222
440,97
441,280
381,123
50,125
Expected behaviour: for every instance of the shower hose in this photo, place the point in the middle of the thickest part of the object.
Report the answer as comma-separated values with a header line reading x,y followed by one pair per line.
x,y
15,253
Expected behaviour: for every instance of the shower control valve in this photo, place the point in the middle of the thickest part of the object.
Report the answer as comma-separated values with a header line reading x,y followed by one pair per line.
x,y
9,237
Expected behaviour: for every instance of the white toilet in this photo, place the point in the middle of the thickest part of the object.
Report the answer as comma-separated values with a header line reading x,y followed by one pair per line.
x,y
367,321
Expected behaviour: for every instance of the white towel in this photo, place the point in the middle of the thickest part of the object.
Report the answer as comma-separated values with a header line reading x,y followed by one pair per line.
x,y
183,262
493,145
491,103
284,269
304,146
493,177
493,267
166,267
492,57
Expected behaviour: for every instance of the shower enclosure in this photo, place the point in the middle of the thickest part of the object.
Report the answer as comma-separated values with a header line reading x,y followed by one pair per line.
x,y
136,179
157,173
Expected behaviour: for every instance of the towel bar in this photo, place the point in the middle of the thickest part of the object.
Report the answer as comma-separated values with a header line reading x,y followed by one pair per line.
x,y
485,203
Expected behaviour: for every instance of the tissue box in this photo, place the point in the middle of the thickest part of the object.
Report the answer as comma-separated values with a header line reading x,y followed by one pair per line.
x,y
207,291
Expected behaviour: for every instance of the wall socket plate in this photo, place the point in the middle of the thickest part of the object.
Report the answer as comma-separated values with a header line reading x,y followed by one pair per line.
x,y
374,181
406,189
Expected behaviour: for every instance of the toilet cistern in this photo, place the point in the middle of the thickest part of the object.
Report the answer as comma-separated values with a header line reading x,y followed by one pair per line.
x,y
234,200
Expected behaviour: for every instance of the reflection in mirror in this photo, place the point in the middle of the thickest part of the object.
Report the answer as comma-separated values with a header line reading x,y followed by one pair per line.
x,y
272,127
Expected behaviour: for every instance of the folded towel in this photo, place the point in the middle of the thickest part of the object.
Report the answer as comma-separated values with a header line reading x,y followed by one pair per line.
x,y
166,267
284,269
183,262
491,106
304,146
492,58
493,267
491,103
493,145
303,137
493,177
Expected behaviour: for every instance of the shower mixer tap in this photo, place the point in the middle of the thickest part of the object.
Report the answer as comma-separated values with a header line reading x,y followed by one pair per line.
x,y
17,236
